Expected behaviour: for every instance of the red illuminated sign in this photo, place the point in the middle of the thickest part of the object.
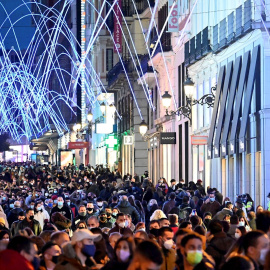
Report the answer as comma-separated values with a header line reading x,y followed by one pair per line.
x,y
78,145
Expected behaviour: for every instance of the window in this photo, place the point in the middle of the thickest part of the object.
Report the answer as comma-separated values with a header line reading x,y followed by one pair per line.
x,y
109,59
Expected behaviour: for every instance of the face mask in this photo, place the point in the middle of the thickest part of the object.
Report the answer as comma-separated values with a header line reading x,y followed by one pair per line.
x,y
55,259
55,191
60,204
194,257
100,204
50,205
39,208
237,235
31,217
212,199
168,244
4,198
89,250
46,194
32,206
241,223
263,254
36,263
103,219
142,229
124,255
114,214
126,223
154,231
68,203
55,201
83,214
108,215
122,224
11,205
90,183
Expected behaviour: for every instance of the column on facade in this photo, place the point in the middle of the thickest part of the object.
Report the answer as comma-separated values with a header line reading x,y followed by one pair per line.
x,y
140,160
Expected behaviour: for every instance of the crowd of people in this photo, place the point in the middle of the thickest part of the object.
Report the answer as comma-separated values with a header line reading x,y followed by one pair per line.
x,y
84,217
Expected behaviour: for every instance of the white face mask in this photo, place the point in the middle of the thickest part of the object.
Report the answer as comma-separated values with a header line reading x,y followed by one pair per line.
x,y
100,204
241,223
168,244
122,224
126,223
237,235
124,255
263,254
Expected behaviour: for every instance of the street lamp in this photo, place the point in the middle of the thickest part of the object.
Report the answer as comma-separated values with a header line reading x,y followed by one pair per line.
x,y
166,101
90,117
143,128
102,108
208,99
189,87
112,109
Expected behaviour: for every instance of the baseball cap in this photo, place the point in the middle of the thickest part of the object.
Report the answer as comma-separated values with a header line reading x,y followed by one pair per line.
x,y
84,234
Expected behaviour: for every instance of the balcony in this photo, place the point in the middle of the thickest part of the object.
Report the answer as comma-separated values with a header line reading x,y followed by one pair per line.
x,y
197,47
165,41
144,59
129,10
116,71
233,27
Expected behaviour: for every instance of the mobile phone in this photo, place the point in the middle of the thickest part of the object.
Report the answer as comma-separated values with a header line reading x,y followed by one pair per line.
x,y
193,213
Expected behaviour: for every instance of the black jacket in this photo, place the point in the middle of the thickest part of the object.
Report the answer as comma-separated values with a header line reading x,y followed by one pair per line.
x,y
126,208
65,211
36,226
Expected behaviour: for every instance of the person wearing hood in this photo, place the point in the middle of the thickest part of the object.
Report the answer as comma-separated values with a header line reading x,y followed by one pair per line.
x,y
125,207
79,253
227,210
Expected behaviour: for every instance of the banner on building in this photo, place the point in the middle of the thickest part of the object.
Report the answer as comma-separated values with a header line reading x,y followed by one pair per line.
x,y
199,140
174,17
117,33
78,145
168,138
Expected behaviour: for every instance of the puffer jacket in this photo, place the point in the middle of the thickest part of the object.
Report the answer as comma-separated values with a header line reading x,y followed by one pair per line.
x,y
126,208
69,260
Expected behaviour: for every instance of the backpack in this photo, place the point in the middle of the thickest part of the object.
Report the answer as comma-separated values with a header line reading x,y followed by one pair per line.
x,y
184,213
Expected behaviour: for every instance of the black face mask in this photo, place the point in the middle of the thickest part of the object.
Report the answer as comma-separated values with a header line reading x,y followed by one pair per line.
x,y
109,215
55,259
103,219
154,231
90,209
31,217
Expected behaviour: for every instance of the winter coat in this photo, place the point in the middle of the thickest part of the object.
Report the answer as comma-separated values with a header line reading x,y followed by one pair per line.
x,y
69,260
36,226
40,216
13,215
219,246
167,206
114,264
211,207
169,259
221,214
3,215
126,208
65,211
